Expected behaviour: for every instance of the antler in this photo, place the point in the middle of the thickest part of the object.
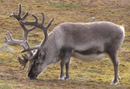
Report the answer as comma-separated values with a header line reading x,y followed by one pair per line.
x,y
24,41
44,29
39,25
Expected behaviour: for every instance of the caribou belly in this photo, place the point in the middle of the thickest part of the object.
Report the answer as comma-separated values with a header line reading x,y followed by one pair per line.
x,y
90,57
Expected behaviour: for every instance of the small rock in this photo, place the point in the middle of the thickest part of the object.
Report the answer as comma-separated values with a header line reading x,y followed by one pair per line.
x,y
93,18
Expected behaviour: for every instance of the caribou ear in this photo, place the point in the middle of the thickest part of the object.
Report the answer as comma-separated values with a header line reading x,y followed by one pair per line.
x,y
42,55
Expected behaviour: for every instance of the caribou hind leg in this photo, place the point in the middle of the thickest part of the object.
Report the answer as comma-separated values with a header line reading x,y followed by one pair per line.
x,y
65,61
115,61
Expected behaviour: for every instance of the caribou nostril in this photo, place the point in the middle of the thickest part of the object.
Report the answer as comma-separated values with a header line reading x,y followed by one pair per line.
x,y
32,76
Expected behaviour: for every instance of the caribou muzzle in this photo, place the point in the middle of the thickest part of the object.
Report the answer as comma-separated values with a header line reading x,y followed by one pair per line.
x,y
32,76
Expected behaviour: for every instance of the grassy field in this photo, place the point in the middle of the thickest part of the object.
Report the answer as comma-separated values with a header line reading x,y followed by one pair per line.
x,y
83,75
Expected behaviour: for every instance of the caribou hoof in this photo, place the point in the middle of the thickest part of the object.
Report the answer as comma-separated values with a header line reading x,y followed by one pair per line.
x,y
114,83
67,78
61,78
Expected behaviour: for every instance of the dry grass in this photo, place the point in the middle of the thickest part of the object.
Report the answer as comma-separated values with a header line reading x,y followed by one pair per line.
x,y
94,75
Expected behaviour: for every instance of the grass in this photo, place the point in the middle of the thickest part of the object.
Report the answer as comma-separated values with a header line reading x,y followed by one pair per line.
x,y
66,5
83,75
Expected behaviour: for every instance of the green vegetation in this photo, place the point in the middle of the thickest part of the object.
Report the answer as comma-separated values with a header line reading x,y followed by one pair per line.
x,y
66,5
83,75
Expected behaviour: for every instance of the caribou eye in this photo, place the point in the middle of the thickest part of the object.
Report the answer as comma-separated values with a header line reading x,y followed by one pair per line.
x,y
37,63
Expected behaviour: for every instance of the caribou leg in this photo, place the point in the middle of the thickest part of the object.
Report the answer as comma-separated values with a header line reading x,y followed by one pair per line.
x,y
115,61
67,69
65,61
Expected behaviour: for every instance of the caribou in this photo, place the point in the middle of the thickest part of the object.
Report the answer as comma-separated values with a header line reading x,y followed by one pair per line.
x,y
86,41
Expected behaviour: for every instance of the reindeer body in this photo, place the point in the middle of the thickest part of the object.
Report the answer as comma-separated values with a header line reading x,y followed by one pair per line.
x,y
88,41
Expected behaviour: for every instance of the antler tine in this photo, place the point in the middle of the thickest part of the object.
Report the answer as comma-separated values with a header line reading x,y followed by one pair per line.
x,y
35,23
20,10
10,36
26,31
24,16
11,40
36,19
50,23
17,16
6,39
22,62
43,18
27,48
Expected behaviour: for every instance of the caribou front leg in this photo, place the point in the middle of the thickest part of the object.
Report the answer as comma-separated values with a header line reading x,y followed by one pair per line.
x,y
67,69
65,61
